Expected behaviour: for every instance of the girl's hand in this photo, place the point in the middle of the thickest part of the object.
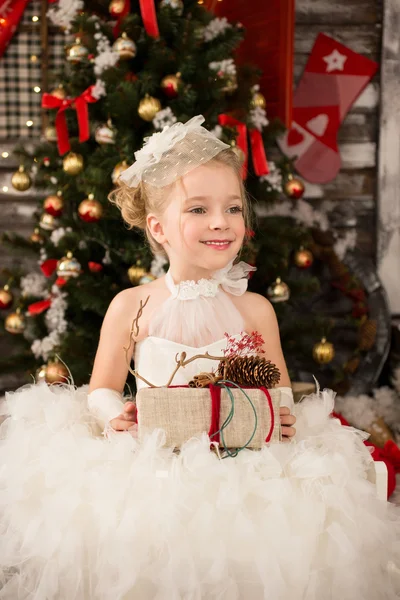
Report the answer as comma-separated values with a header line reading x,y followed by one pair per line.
x,y
287,420
126,419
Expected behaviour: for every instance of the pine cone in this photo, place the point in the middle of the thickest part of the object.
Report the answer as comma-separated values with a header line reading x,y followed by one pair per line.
x,y
367,335
254,371
336,267
352,365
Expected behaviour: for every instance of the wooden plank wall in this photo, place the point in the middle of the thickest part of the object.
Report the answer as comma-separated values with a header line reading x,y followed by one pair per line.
x,y
357,23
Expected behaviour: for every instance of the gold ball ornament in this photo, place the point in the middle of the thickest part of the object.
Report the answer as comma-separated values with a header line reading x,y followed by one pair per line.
x,y
170,85
118,169
56,372
105,134
176,5
135,273
278,291
303,258
40,374
73,163
238,151
54,204
147,278
294,188
48,222
68,267
50,133
323,352
21,180
125,47
230,82
77,53
15,322
36,237
90,210
148,108
116,7
258,101
59,92
6,298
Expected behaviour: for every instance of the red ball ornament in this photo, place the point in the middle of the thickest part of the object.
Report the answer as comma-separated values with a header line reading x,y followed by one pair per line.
x,y
90,210
170,85
6,298
54,204
294,188
95,267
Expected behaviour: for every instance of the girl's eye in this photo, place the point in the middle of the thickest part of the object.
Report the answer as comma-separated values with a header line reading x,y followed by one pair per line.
x,y
235,209
197,211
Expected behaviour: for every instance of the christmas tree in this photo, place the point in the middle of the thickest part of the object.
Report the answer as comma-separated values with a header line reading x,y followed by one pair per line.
x,y
127,75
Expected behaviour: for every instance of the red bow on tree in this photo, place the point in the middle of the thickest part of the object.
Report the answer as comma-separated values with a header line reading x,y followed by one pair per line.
x,y
80,103
256,143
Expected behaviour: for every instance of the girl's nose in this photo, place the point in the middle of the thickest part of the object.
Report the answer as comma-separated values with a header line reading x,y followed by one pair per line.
x,y
219,222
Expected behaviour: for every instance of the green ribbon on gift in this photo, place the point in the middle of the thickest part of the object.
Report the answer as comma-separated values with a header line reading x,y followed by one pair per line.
x,y
229,452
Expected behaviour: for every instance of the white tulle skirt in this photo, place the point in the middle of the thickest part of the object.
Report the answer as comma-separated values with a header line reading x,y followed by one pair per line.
x,y
89,518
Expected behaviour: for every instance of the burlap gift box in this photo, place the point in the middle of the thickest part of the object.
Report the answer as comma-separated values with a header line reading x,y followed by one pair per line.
x,y
185,412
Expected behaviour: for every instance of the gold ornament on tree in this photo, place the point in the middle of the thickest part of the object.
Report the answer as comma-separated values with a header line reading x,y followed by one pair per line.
x,y
6,297
323,352
15,322
50,133
125,47
258,101
73,163
90,210
59,92
294,188
149,107
118,169
116,7
303,258
36,237
278,291
48,222
135,273
238,151
56,372
147,278
21,180
230,82
54,204
68,267
77,53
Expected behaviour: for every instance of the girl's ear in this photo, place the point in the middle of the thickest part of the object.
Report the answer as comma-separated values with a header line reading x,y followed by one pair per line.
x,y
155,228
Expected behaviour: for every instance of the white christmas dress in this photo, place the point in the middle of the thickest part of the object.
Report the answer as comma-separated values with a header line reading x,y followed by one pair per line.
x,y
91,517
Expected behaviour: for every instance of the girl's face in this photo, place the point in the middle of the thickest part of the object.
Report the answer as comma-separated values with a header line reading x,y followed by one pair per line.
x,y
202,228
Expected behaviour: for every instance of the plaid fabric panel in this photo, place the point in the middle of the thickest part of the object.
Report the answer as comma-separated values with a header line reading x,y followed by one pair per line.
x,y
20,73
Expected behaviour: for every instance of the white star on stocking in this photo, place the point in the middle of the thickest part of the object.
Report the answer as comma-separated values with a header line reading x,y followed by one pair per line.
x,y
335,61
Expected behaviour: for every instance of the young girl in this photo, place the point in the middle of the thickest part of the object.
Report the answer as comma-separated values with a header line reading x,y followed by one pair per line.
x,y
86,516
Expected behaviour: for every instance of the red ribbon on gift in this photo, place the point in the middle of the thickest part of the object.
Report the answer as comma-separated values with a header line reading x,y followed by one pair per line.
x,y
215,392
81,105
256,143
149,17
38,307
49,266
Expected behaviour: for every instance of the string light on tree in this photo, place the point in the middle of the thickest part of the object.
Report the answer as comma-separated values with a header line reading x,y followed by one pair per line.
x,y
77,53
323,352
303,258
90,210
15,322
149,107
54,204
278,291
73,163
21,180
125,47
68,266
6,297
294,187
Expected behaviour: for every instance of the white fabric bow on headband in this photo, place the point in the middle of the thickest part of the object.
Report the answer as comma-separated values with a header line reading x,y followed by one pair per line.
x,y
201,147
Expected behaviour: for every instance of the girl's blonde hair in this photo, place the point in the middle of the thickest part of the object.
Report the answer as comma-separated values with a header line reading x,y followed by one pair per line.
x,y
136,203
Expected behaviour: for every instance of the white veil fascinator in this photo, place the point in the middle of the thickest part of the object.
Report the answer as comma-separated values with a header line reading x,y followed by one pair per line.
x,y
173,152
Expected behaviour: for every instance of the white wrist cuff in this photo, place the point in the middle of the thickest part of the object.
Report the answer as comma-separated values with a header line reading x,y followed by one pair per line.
x,y
105,404
287,397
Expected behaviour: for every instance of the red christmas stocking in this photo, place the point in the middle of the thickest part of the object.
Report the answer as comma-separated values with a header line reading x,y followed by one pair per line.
x,y
332,80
